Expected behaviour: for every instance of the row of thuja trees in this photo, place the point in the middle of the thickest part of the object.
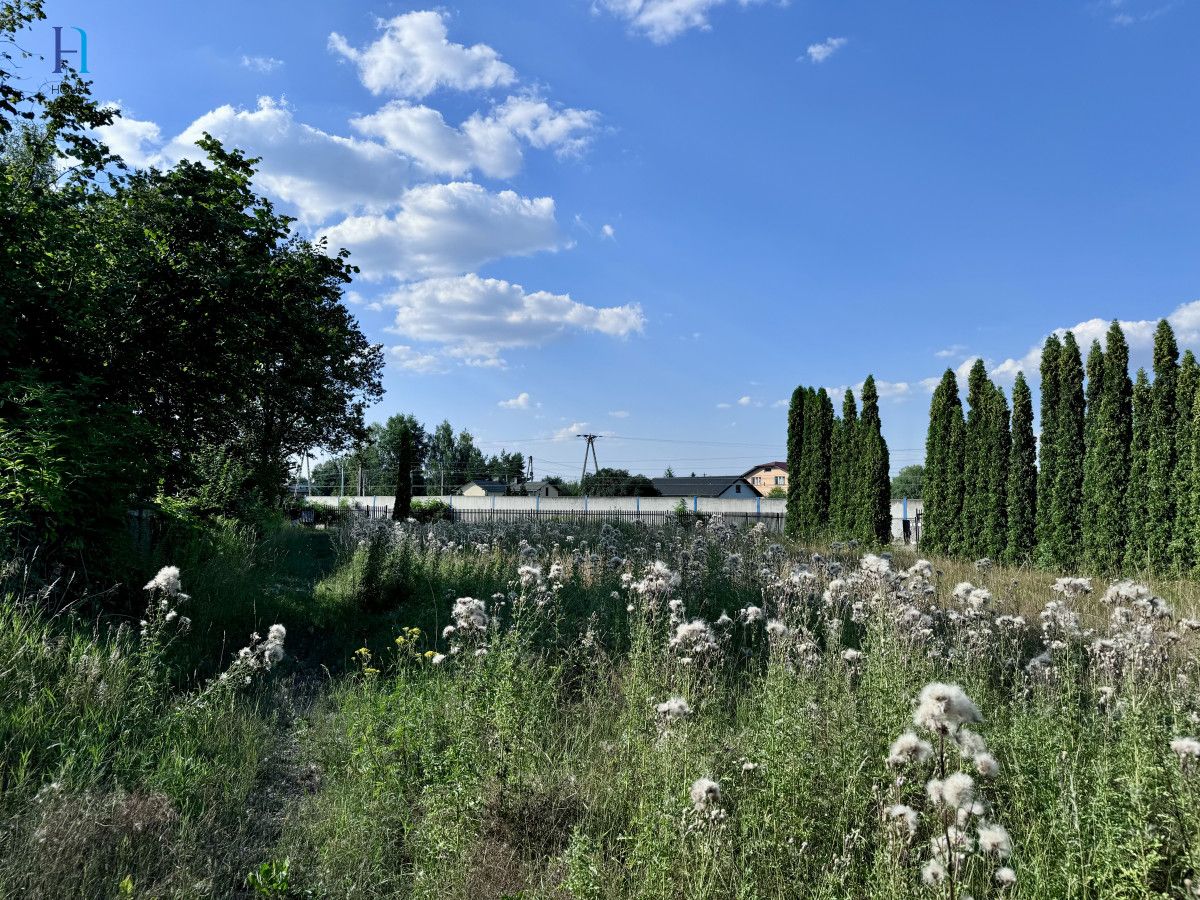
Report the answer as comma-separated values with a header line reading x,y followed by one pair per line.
x,y
838,484
1113,483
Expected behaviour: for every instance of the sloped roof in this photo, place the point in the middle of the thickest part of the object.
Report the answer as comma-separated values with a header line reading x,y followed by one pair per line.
x,y
698,486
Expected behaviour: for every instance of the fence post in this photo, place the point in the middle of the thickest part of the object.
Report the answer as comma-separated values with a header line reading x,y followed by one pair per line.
x,y
695,504
637,504
758,507
585,502
537,502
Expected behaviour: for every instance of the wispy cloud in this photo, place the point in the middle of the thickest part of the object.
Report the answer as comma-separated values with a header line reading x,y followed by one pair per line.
x,y
262,63
818,53
521,401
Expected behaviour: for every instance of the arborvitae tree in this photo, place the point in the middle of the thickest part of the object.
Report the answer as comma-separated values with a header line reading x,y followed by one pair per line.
x,y
1194,486
974,463
1067,504
841,505
1093,446
942,515
1137,494
1106,476
999,446
1022,476
822,464
795,442
875,483
1160,464
1182,556
1047,460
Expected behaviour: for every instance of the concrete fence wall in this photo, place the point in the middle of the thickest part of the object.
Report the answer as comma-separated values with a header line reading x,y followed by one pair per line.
x,y
713,505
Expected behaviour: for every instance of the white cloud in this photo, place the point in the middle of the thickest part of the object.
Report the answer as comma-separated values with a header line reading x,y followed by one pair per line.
x,y
818,53
447,229
490,143
413,57
412,360
262,63
780,404
134,140
608,231
319,173
744,401
890,390
575,428
951,351
664,20
521,401
481,317
619,414
724,405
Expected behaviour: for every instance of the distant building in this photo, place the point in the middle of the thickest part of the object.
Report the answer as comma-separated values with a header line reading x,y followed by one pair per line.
x,y
765,477
484,487
723,486
535,489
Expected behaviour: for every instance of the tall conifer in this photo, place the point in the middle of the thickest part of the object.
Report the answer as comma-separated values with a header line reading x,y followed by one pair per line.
x,y
1022,476
1067,504
975,462
1093,448
942,491
1137,555
999,447
1160,462
845,432
795,443
1182,555
1110,435
1047,460
875,492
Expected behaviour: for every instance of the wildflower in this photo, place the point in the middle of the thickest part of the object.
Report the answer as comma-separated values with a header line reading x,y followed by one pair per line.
x,y
908,748
693,637
705,794
943,708
171,616
1005,877
958,790
903,814
672,709
751,614
748,767
875,565
437,659
933,873
469,615
986,765
776,629
1186,748
994,839
167,581
1072,587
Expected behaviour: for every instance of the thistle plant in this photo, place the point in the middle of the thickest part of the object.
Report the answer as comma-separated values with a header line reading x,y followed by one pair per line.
x,y
966,846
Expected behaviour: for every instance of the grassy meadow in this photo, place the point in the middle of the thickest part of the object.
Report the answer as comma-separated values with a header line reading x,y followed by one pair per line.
x,y
554,711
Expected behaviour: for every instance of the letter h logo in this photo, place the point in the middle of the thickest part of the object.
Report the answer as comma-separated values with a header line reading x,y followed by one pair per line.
x,y
59,51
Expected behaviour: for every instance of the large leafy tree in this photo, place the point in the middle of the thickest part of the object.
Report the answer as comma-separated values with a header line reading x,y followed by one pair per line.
x,y
909,482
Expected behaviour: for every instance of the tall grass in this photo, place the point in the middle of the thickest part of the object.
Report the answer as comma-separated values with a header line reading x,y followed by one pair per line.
x,y
550,739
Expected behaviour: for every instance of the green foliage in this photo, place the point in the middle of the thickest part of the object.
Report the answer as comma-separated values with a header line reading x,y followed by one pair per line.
x,y
944,468
813,475
1136,497
795,459
843,510
1162,457
1183,559
909,482
1048,450
873,484
1107,465
617,483
1022,477
1067,500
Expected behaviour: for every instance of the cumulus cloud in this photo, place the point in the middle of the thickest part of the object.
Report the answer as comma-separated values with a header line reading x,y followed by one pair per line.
x,y
261,63
744,401
491,143
521,401
412,360
447,229
608,231
575,428
818,53
664,20
413,57
317,172
134,140
481,317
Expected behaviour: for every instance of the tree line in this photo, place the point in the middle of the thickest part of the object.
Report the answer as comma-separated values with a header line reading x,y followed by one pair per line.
x,y
1113,482
163,332
838,483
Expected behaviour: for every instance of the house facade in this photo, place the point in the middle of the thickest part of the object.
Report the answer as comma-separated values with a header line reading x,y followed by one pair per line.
x,y
483,487
765,477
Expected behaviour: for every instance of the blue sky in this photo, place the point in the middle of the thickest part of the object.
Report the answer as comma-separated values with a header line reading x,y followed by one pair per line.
x,y
653,218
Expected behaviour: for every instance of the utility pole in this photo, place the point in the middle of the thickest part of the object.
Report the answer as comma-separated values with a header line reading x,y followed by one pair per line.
x,y
530,476
591,445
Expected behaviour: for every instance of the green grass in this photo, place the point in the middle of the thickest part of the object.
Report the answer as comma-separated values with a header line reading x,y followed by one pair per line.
x,y
540,769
